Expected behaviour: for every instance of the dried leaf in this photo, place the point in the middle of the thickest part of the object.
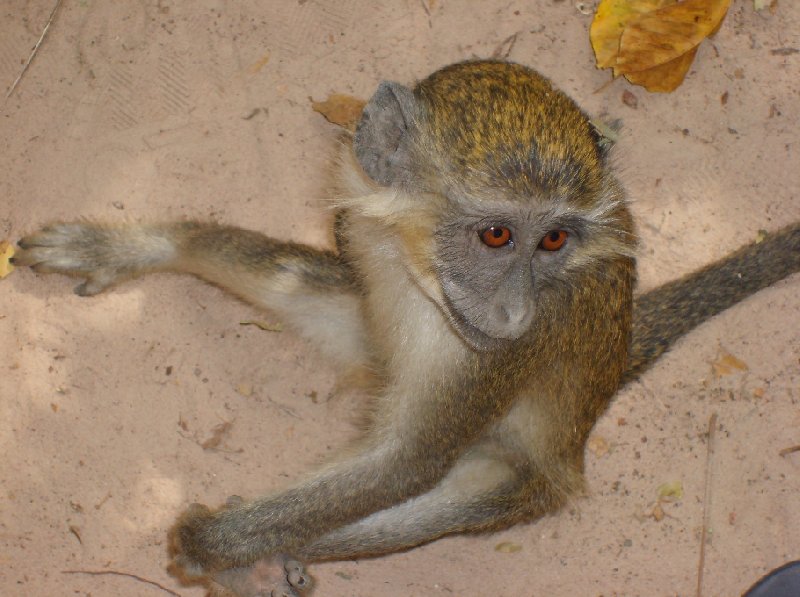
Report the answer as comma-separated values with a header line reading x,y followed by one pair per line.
x,y
665,77
609,22
342,110
666,34
259,64
77,532
218,432
508,547
6,253
598,445
653,42
630,99
726,364
670,492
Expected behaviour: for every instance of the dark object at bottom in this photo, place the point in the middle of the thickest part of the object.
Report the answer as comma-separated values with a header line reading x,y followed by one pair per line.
x,y
781,582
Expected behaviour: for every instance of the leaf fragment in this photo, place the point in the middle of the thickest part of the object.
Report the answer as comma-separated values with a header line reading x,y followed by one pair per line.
x,y
671,491
598,445
508,547
6,253
263,325
218,433
342,110
726,364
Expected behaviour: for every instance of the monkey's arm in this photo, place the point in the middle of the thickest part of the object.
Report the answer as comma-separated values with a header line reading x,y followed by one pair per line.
x,y
480,493
421,430
310,289
668,312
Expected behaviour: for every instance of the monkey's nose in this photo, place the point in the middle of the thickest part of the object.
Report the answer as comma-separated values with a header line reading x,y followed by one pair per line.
x,y
512,320
512,315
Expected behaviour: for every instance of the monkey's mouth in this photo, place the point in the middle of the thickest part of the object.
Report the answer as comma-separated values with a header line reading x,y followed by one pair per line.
x,y
474,337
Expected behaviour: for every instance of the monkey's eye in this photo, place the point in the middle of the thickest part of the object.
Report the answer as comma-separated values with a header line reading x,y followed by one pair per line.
x,y
496,236
553,240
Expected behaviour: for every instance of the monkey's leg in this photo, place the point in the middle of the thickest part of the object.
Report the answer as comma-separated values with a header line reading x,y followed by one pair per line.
x,y
311,290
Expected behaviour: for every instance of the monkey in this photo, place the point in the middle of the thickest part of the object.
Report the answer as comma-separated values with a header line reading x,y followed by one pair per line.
x,y
484,275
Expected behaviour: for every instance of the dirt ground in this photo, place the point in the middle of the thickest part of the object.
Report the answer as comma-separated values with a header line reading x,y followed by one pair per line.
x,y
162,110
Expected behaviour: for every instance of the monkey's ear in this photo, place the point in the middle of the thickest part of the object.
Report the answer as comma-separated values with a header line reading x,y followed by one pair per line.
x,y
382,139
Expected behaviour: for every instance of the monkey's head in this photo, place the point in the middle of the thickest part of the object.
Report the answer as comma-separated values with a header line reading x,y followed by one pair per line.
x,y
503,192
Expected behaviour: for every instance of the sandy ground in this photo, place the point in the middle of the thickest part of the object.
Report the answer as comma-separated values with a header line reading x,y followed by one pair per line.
x,y
161,110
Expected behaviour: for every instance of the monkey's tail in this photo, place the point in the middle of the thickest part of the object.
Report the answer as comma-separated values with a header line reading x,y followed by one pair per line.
x,y
666,313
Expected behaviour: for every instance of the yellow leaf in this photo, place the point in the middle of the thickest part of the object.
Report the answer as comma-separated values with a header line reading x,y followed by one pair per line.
x,y
663,35
653,42
672,491
664,77
609,22
340,109
6,253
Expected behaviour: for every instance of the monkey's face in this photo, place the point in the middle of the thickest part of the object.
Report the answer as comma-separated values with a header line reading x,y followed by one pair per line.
x,y
499,261
511,184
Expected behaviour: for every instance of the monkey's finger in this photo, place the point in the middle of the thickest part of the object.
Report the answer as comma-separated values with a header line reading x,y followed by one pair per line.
x,y
297,576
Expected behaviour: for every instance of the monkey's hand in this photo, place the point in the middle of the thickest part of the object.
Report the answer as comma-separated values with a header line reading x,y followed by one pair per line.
x,y
198,542
276,576
201,542
102,255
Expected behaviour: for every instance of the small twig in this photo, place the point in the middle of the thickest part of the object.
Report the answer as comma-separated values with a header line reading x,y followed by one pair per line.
x,y
35,49
701,564
125,574
605,86
789,450
503,49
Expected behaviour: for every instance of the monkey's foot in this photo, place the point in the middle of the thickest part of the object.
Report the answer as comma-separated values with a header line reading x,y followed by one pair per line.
x,y
275,576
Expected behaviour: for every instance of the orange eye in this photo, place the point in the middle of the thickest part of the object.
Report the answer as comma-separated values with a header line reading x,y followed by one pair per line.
x,y
554,240
496,236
